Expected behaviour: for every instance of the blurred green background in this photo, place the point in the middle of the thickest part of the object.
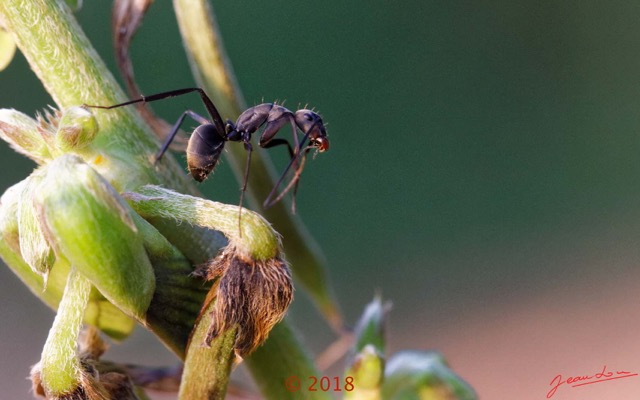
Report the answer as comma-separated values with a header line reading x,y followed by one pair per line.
x,y
483,163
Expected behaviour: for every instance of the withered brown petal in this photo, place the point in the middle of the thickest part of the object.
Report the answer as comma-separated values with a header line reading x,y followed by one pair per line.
x,y
252,296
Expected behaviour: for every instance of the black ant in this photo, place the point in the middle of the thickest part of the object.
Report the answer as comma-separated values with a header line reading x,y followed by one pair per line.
x,y
207,140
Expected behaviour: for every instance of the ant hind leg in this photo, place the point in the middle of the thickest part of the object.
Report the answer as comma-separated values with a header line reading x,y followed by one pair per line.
x,y
174,131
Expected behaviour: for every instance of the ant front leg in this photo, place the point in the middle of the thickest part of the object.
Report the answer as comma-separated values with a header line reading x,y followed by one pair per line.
x,y
293,183
295,180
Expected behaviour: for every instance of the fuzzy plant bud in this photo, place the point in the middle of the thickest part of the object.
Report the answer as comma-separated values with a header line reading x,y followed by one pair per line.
x,y
34,247
24,135
76,129
366,360
367,371
423,375
88,224
370,330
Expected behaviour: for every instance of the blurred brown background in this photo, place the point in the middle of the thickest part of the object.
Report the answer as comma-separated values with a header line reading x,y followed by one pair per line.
x,y
483,176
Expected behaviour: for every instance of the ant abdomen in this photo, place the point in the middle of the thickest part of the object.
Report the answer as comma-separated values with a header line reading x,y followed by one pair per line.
x,y
203,151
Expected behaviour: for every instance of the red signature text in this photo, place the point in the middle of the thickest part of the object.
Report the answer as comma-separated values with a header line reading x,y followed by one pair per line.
x,y
582,380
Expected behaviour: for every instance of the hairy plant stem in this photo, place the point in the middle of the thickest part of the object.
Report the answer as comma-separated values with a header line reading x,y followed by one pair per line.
x,y
206,369
60,368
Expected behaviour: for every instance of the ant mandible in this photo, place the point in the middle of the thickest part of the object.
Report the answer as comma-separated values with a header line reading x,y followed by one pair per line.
x,y
208,139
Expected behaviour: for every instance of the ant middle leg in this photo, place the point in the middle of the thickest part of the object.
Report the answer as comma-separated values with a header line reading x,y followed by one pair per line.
x,y
295,180
249,148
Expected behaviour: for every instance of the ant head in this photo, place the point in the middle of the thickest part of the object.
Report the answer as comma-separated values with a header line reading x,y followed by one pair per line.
x,y
310,123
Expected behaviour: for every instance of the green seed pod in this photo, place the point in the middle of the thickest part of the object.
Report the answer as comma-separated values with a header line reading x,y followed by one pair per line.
x,y
87,223
100,312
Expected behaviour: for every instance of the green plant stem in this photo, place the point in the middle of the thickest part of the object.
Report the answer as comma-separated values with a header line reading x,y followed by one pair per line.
x,y
60,366
213,72
205,47
259,242
207,368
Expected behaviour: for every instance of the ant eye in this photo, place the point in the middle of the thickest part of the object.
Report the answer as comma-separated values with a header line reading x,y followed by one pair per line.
x,y
308,117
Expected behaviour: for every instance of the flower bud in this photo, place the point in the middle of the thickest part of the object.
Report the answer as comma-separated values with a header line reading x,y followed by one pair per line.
x,y
253,283
366,362
24,135
370,330
76,129
367,372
